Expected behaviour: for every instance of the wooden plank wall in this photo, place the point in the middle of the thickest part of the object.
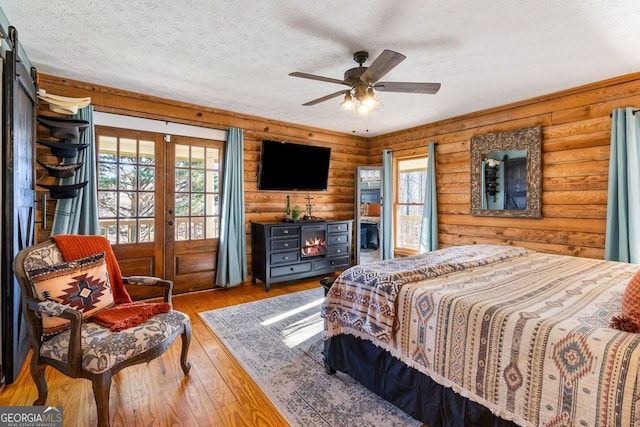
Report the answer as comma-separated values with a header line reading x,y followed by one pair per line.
x,y
347,151
576,127
576,132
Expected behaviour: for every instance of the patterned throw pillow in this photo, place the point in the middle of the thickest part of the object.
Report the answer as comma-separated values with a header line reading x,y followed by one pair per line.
x,y
630,319
82,284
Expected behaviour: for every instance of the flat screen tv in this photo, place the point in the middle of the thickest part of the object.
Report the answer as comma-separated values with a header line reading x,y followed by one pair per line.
x,y
286,166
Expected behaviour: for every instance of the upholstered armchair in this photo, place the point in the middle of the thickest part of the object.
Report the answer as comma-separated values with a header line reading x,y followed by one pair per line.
x,y
82,321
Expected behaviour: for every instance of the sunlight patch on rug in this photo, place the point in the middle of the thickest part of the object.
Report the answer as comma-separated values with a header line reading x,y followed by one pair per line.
x,y
304,330
278,342
317,303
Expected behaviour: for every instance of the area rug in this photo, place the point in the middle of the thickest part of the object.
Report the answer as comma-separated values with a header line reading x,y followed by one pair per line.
x,y
278,341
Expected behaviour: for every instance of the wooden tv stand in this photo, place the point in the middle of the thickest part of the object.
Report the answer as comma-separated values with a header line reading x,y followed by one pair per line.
x,y
277,250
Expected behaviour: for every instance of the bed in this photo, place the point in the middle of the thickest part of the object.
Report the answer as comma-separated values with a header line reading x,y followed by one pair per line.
x,y
488,335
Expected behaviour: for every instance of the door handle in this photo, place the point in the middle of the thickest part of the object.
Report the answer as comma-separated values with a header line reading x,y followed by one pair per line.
x,y
170,211
170,223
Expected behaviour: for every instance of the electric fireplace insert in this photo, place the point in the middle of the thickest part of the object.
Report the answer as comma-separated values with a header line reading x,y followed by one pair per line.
x,y
313,240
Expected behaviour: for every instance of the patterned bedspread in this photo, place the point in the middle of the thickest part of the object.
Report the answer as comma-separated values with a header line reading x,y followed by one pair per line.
x,y
525,334
364,296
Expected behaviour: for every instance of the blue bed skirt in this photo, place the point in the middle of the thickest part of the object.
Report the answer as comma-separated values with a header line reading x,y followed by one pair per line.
x,y
408,389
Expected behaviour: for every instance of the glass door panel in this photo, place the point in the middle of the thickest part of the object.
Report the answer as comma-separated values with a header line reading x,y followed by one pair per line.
x,y
159,205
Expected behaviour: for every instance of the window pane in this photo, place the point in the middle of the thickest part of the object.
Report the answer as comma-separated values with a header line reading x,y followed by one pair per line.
x,y
111,234
127,205
411,187
128,150
216,182
127,231
147,178
210,205
408,224
197,228
182,156
182,229
107,204
146,230
197,180
197,204
147,153
213,158
107,176
182,204
211,226
127,177
210,181
107,148
197,157
146,205
182,180
216,204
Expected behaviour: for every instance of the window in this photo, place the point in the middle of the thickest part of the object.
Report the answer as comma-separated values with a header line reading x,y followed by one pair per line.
x,y
126,188
133,172
197,192
411,175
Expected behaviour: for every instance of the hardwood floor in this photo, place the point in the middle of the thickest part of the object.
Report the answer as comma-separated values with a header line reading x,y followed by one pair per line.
x,y
217,391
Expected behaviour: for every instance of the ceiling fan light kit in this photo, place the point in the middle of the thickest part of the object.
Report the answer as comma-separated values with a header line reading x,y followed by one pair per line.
x,y
348,103
363,81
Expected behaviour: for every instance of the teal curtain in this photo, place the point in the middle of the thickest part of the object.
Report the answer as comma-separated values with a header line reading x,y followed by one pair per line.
x,y
387,206
232,253
429,226
622,239
79,215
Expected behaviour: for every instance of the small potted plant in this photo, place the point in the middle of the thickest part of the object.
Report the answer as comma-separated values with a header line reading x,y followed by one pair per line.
x,y
295,213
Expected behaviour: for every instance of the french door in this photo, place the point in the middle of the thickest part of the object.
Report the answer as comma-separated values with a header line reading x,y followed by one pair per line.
x,y
159,203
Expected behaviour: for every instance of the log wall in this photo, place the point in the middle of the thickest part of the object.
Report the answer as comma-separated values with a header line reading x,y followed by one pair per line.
x,y
347,151
576,136
576,128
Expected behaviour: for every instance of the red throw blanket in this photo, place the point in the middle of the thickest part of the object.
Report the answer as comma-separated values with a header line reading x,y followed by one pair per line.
x,y
123,316
125,313
75,246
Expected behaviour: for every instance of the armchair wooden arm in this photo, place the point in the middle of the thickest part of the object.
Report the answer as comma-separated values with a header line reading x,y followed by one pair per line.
x,y
55,309
166,285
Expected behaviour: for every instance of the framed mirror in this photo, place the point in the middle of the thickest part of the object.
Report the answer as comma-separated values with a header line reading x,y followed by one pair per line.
x,y
368,225
506,177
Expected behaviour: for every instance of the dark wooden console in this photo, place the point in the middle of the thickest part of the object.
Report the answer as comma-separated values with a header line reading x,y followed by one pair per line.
x,y
282,251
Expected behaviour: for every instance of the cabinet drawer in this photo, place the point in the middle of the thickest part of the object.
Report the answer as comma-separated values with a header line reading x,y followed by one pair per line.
x,y
337,250
284,231
336,239
335,262
284,257
284,244
337,228
290,269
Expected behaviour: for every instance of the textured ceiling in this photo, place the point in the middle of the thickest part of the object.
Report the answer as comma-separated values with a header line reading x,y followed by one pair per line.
x,y
236,55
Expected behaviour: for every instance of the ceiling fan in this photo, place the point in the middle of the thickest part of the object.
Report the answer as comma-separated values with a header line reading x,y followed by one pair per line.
x,y
362,81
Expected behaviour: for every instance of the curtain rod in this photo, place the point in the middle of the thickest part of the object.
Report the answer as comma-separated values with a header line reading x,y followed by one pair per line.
x,y
632,112
411,148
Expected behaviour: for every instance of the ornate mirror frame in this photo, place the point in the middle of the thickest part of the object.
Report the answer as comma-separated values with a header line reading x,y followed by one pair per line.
x,y
529,139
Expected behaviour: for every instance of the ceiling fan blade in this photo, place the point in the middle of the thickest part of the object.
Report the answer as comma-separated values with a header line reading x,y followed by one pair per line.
x,y
408,87
384,63
320,78
325,98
